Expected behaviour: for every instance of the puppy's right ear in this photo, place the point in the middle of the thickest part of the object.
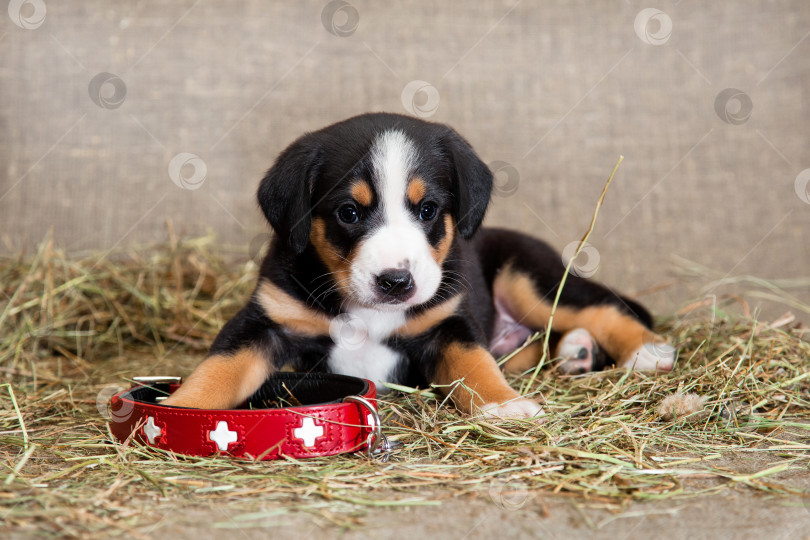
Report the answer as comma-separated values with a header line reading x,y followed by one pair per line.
x,y
285,192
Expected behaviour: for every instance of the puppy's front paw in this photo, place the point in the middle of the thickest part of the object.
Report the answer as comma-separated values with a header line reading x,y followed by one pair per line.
x,y
652,357
515,408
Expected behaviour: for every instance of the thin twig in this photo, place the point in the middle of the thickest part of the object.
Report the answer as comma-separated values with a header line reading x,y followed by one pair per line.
x,y
528,383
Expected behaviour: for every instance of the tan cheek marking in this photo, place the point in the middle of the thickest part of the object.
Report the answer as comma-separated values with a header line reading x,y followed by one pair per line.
x,y
339,265
290,312
483,382
416,190
618,333
223,381
440,251
430,318
361,192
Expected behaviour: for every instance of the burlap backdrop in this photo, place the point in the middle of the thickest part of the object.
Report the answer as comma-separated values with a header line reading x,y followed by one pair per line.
x,y
551,91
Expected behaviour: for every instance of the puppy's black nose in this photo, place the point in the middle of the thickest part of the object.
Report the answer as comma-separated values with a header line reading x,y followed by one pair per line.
x,y
396,283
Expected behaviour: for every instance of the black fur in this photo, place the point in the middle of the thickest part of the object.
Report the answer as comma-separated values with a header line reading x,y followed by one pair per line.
x,y
472,184
284,193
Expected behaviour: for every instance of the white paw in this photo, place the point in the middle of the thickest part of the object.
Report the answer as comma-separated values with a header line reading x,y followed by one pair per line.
x,y
577,349
652,357
516,408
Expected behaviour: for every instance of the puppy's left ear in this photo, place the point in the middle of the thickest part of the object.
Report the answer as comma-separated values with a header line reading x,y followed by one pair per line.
x,y
285,192
472,183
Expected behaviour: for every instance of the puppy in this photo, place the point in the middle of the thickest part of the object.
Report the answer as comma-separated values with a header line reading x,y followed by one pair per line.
x,y
378,269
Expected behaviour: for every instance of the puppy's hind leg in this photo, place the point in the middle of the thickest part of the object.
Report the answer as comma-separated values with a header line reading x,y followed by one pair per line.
x,y
617,325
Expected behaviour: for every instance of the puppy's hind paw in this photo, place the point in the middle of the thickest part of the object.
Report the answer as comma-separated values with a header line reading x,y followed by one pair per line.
x,y
515,408
579,353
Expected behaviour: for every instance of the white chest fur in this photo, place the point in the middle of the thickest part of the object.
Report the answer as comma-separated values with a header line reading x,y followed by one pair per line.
x,y
359,350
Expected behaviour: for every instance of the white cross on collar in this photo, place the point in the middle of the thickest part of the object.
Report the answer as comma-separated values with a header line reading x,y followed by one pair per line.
x,y
223,436
308,432
152,431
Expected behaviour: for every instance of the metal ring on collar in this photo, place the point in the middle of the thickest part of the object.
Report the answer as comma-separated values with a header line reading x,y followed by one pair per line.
x,y
376,436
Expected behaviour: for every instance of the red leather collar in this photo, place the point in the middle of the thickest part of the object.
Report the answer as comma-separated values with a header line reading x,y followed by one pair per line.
x,y
294,414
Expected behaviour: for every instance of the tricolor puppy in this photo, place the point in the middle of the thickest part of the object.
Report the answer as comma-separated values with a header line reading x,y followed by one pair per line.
x,y
378,269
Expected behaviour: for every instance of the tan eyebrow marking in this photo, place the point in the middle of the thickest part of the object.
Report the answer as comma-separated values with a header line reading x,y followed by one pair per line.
x,y
361,192
416,190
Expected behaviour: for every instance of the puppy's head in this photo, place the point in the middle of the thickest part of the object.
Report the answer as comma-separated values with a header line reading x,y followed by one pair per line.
x,y
380,198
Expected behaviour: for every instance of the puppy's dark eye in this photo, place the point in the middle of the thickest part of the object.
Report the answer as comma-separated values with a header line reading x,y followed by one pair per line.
x,y
427,211
348,214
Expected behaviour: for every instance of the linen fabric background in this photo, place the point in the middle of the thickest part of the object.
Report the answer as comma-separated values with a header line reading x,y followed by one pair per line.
x,y
116,117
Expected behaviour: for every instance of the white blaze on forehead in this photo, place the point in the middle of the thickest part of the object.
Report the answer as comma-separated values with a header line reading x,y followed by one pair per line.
x,y
399,241
393,158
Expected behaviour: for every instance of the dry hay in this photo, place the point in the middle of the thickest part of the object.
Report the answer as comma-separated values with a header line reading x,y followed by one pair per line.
x,y
75,329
